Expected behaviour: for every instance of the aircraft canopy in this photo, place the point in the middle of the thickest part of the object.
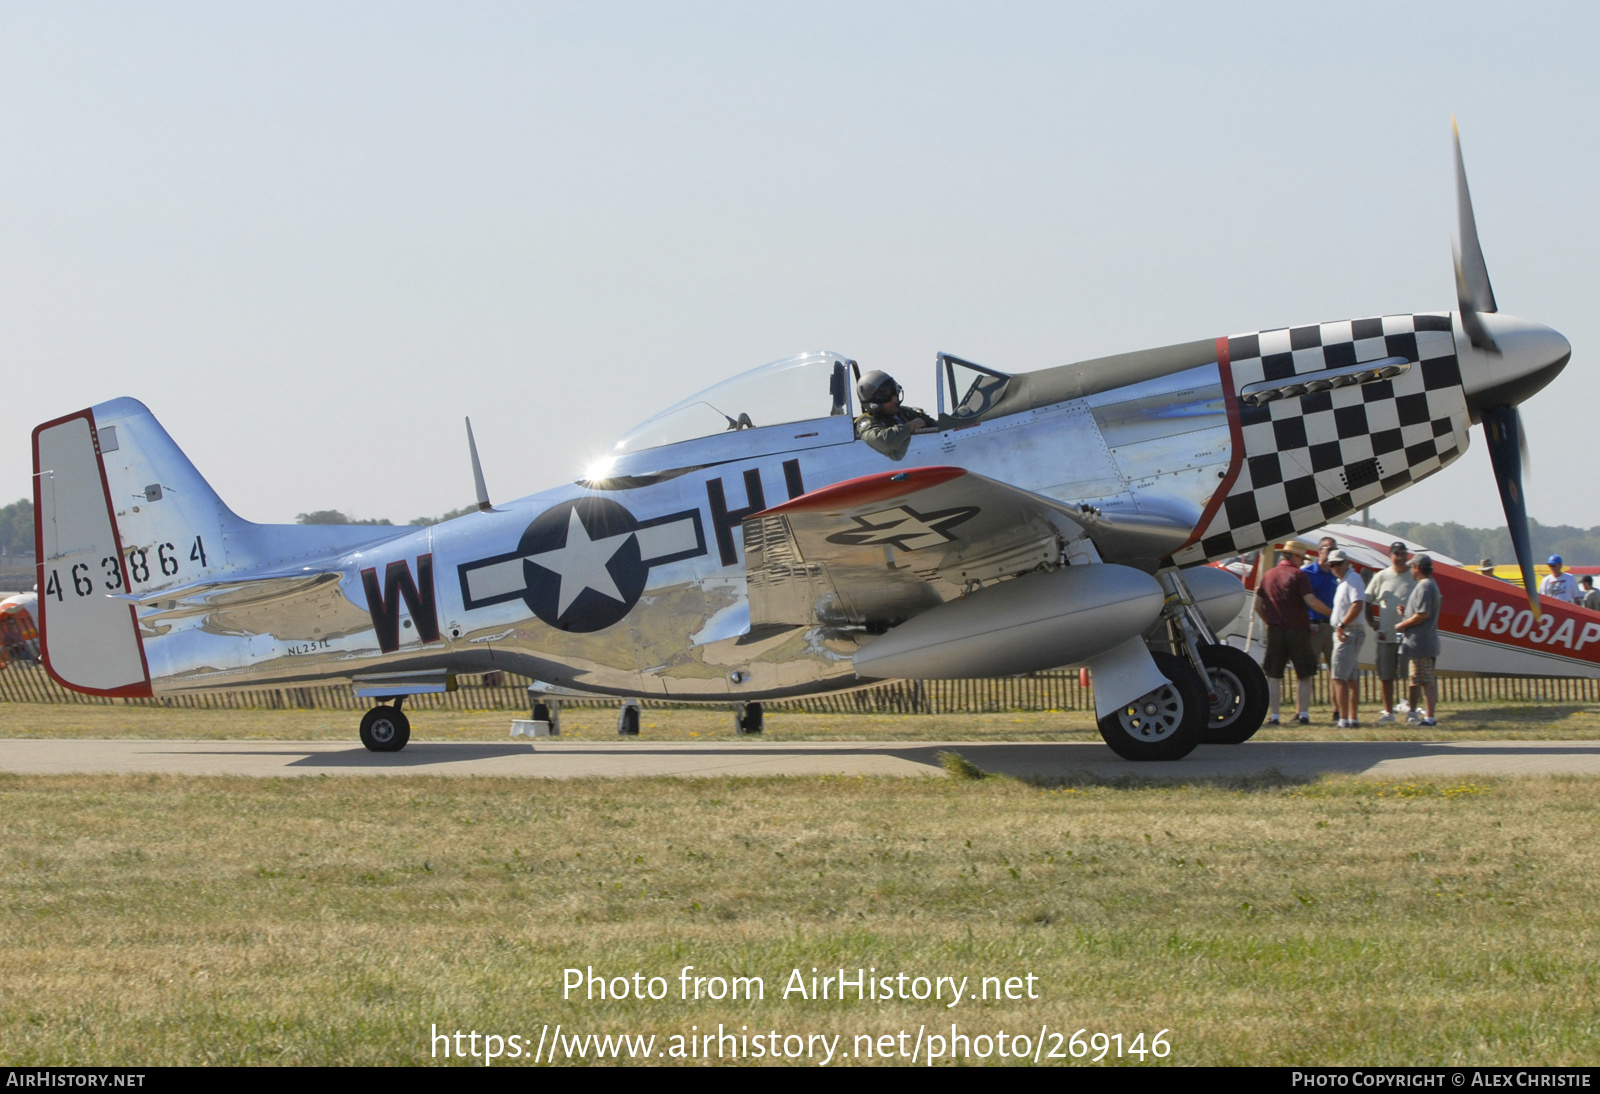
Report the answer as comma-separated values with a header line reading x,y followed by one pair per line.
x,y
795,389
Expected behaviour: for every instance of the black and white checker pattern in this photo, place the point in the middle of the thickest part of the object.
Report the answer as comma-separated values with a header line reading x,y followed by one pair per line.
x,y
1310,460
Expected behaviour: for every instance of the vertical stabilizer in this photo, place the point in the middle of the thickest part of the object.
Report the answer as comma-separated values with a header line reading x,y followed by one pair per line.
x,y
88,634
173,528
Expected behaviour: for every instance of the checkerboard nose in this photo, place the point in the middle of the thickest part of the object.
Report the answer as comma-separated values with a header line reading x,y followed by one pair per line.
x,y
1531,355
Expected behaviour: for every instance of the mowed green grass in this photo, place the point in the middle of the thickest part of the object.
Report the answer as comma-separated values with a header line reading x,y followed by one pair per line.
x,y
168,920
1477,721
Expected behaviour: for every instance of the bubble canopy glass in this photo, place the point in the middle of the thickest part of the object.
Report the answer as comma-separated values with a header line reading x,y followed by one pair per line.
x,y
795,389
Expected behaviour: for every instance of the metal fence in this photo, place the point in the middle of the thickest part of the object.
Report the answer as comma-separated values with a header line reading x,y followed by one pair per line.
x,y
1035,692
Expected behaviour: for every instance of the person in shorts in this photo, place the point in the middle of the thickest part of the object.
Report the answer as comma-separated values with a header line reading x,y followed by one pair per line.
x,y
1387,594
1420,629
1282,602
1349,632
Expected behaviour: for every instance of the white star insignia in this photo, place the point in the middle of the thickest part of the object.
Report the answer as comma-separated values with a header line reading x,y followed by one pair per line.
x,y
581,564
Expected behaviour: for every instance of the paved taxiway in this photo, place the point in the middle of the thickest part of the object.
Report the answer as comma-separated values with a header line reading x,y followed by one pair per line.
x,y
557,759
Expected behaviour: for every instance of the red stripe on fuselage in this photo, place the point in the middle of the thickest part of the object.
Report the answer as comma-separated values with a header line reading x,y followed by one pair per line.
x,y
1236,439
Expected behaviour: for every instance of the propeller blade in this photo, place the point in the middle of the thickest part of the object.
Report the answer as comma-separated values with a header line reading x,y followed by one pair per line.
x,y
1471,260
1474,294
1502,428
1477,334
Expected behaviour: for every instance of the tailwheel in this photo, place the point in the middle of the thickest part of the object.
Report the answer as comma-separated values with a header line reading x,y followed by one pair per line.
x,y
1164,724
1238,692
628,719
747,719
385,729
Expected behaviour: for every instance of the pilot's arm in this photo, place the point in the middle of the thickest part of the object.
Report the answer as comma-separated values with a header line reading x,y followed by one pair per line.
x,y
892,437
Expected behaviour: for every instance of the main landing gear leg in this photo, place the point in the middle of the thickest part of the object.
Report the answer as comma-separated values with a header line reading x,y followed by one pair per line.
x,y
386,728
628,719
747,719
1236,688
550,714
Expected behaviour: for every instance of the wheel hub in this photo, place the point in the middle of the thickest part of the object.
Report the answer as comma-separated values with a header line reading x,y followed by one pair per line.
x,y
1227,697
1153,717
382,731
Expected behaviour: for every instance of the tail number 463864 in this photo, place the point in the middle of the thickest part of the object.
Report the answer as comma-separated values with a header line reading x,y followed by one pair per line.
x,y
82,579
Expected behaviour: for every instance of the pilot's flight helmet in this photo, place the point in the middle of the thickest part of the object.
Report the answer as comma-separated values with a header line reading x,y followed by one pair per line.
x,y
877,387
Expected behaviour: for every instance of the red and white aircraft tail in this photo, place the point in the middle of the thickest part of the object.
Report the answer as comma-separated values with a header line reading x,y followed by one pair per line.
x,y
1485,624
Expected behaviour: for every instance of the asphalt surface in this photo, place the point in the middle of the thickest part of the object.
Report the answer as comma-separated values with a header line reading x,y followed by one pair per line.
x,y
555,759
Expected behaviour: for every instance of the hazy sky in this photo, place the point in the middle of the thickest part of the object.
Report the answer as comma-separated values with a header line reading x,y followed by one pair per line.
x,y
313,237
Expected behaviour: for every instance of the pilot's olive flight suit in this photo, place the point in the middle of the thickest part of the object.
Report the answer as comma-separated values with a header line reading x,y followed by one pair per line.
x,y
891,433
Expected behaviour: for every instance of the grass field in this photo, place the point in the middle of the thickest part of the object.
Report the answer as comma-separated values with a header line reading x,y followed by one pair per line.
x,y
173,920
1480,721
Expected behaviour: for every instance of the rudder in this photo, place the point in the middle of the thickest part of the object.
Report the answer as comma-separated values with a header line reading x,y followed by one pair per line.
x,y
89,637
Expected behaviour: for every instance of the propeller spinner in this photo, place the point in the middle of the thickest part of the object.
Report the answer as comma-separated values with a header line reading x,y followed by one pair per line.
x,y
1509,359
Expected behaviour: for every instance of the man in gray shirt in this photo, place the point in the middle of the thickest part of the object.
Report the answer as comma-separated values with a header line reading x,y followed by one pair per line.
x,y
1588,595
1419,632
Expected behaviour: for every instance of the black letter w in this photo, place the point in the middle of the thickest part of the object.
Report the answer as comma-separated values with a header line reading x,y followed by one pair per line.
x,y
385,606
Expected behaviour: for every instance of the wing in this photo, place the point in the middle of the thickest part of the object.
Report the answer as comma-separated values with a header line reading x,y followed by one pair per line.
x,y
878,550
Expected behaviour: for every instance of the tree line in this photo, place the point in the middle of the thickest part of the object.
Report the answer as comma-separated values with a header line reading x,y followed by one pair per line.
x,y
1576,546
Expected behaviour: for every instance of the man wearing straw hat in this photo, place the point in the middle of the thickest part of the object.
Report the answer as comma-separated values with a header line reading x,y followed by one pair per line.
x,y
1281,602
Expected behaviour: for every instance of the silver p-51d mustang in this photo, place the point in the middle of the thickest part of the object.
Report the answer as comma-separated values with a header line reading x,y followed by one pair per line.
x,y
745,546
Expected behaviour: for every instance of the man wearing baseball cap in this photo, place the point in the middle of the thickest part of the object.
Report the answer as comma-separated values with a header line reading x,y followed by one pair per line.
x,y
1387,594
1420,633
1281,602
1558,585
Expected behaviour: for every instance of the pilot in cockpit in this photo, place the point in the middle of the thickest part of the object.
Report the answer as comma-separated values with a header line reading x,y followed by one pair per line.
x,y
887,426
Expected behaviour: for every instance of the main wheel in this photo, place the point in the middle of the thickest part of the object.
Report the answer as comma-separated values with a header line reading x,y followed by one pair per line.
x,y
385,729
1164,724
1238,695
747,719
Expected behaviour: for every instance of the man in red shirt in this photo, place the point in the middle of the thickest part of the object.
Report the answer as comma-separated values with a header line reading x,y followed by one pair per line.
x,y
1281,602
